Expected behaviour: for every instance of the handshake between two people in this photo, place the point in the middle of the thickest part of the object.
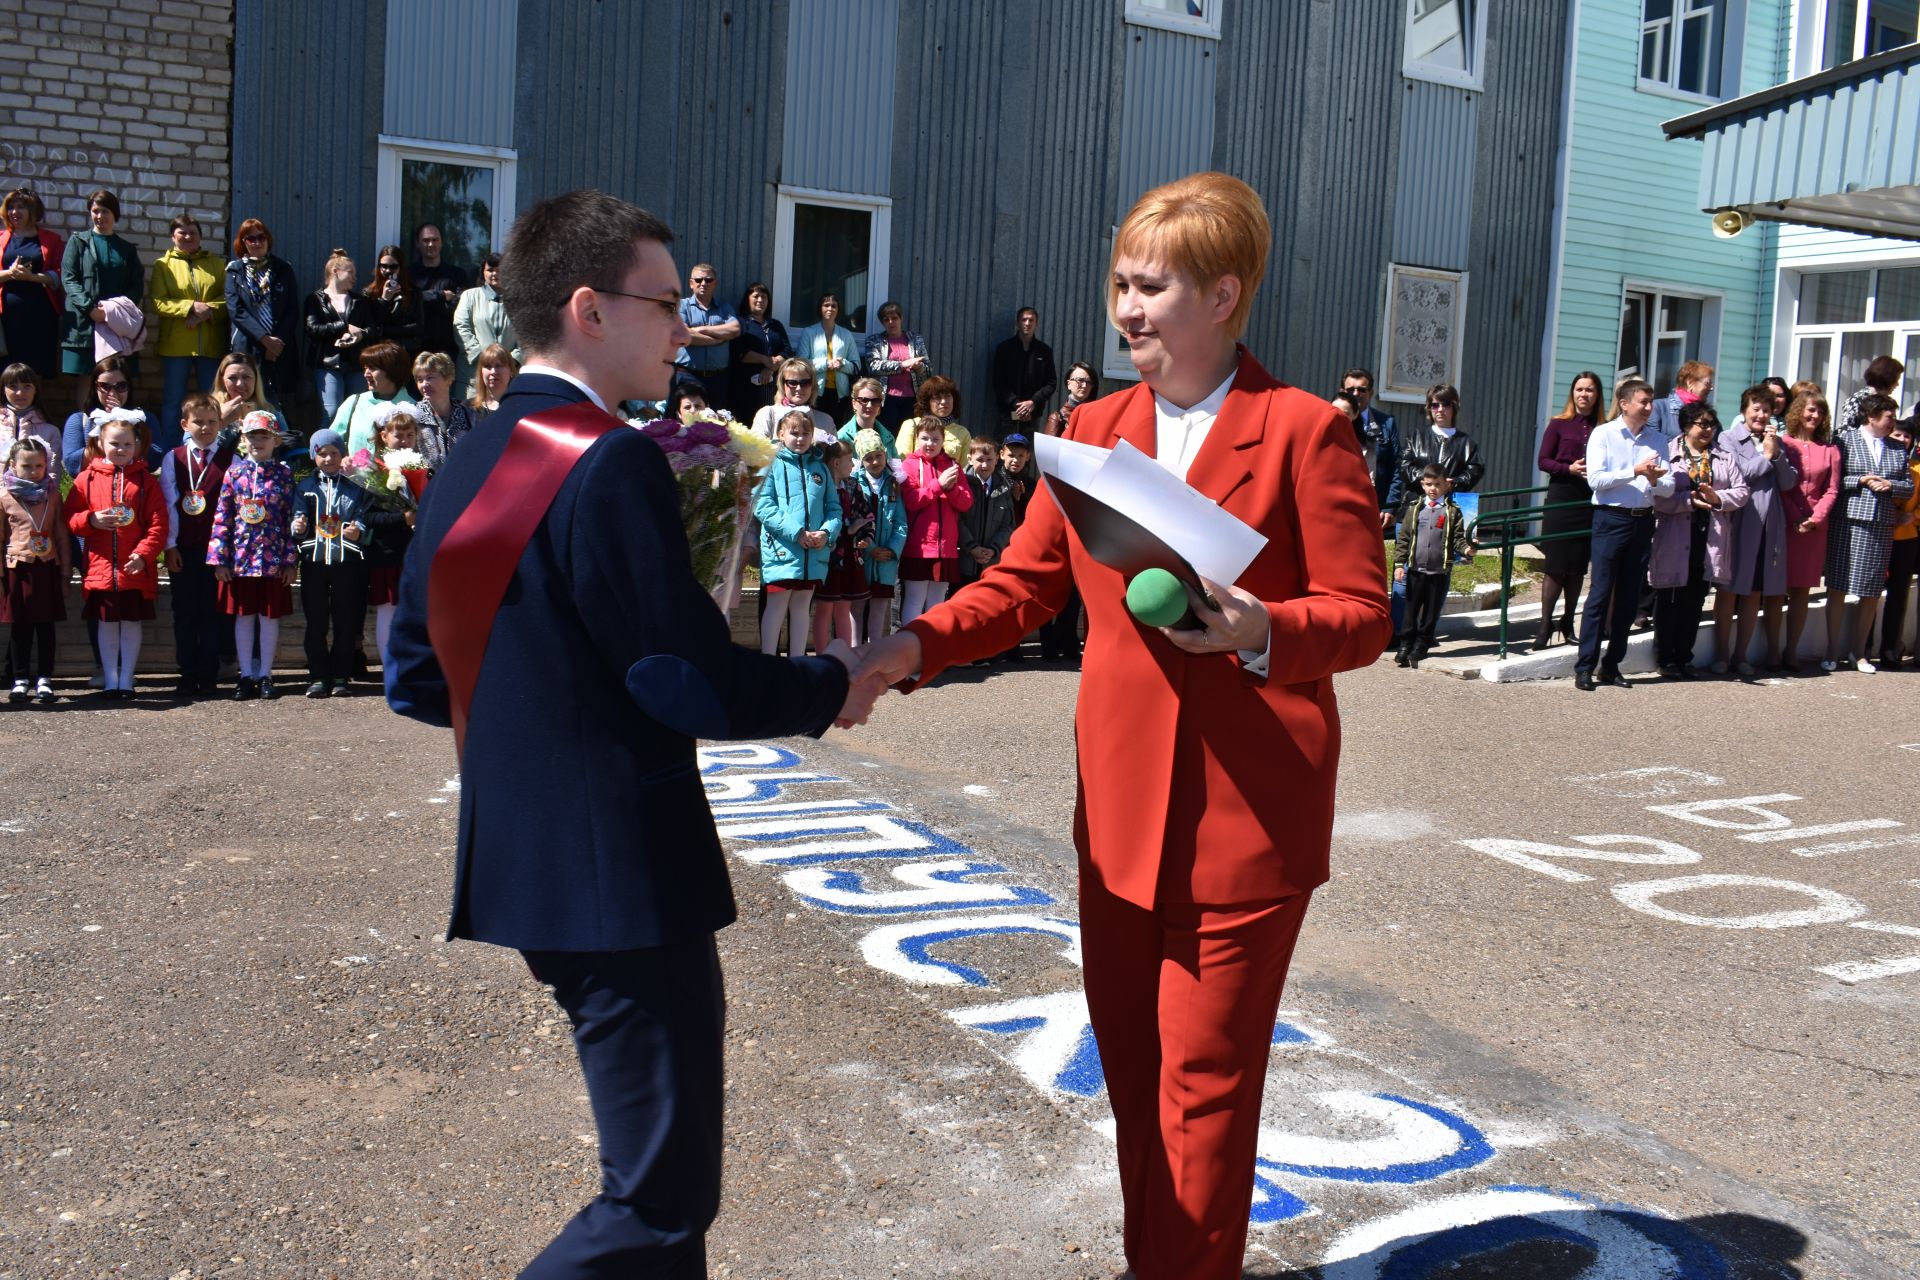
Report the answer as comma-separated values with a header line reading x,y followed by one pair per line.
x,y
1239,624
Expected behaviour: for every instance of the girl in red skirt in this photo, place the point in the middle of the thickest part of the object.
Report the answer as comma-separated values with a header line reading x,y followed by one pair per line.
x,y
846,586
37,565
252,551
935,492
116,509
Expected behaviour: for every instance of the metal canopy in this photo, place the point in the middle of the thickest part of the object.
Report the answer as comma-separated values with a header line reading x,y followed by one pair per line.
x,y
1840,149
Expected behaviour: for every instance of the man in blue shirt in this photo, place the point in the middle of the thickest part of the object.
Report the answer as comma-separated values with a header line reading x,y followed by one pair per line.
x,y
1626,466
713,326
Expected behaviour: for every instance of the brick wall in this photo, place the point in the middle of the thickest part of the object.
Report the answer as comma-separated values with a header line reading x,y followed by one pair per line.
x,y
134,97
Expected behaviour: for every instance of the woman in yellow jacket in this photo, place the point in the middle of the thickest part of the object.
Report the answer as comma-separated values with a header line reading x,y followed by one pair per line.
x,y
188,290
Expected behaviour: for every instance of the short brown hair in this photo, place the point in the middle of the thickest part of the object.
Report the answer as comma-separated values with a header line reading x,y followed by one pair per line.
x,y
1884,373
181,221
1693,371
1797,415
438,361
198,400
1874,405
389,358
583,239
937,385
1206,226
105,199
18,374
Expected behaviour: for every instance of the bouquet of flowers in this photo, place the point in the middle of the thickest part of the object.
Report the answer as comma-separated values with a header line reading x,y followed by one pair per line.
x,y
717,464
394,479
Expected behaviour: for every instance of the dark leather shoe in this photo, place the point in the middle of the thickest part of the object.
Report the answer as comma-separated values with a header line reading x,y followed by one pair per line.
x,y
1615,679
1583,681
1401,658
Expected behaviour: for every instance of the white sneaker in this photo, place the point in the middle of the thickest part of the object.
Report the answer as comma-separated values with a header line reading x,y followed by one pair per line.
x,y
1864,667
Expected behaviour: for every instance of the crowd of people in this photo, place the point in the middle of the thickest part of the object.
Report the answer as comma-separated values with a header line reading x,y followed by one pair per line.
x,y
880,501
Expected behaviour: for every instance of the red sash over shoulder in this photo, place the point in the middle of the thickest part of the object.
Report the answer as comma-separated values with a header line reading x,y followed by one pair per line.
x,y
477,559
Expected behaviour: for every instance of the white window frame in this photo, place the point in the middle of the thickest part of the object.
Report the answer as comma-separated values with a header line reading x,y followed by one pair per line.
x,y
1206,25
1904,331
393,150
1387,388
1718,13
1810,53
1474,77
1712,318
879,247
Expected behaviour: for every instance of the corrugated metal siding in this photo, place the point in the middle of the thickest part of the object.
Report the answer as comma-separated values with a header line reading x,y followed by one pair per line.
x,y
673,104
306,147
1514,171
1003,156
453,63
1432,219
838,125
1166,118
1868,134
1320,148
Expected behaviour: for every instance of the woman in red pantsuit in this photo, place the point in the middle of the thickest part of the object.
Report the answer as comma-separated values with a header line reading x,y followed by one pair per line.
x,y
1207,758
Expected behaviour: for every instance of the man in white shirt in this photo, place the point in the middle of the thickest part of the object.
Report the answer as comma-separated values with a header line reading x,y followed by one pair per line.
x,y
1626,467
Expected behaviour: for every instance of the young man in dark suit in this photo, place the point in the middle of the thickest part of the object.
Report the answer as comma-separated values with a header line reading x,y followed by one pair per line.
x,y
578,668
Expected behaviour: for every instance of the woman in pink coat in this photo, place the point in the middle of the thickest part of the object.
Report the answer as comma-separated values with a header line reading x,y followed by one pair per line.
x,y
935,493
1809,442
1692,535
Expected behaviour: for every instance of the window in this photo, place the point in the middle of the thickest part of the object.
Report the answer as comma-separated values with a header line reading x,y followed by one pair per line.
x,y
1425,335
1681,43
827,242
1846,318
1851,29
1195,17
1660,331
465,191
1446,42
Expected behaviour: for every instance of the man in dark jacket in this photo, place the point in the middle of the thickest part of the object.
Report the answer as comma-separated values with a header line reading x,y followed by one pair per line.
x,y
1023,376
563,634
1379,439
440,284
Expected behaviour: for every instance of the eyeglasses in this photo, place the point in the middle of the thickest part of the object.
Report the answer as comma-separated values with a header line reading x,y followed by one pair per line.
x,y
389,266
796,382
669,305
704,280
103,385
255,238
867,400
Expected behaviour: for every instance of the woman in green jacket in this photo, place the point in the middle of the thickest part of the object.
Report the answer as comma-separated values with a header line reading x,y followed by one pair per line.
x,y
188,293
98,265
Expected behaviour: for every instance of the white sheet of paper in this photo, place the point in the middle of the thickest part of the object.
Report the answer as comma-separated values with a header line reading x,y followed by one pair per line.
x,y
1218,544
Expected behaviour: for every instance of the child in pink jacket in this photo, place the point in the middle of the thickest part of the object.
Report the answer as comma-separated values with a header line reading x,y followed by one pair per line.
x,y
935,492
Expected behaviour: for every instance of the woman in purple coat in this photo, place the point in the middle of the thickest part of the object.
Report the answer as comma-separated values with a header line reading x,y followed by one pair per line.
x,y
1755,565
1691,529
1563,456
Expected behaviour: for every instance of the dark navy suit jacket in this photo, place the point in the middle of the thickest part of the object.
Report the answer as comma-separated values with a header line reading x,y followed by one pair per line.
x,y
584,823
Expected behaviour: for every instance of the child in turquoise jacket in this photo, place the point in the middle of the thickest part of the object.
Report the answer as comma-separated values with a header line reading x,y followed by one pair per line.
x,y
798,508
889,532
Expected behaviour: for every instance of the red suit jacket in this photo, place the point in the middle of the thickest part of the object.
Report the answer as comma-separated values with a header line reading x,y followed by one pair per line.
x,y
1200,782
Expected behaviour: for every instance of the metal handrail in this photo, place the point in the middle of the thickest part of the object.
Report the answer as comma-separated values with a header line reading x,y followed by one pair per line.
x,y
1505,523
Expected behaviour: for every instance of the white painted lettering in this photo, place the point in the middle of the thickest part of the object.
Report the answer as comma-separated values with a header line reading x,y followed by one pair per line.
x,y
1830,908
1529,853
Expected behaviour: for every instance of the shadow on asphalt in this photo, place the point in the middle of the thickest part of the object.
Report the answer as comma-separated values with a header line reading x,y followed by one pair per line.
x,y
1733,1246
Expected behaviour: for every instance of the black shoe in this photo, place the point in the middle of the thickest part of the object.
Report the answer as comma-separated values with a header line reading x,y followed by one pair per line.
x,y
318,689
245,690
185,689
1615,679
339,690
1672,671
266,687
1415,658
1402,658
1583,681
1689,672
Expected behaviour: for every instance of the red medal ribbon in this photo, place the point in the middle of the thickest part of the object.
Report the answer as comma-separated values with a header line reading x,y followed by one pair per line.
x,y
481,552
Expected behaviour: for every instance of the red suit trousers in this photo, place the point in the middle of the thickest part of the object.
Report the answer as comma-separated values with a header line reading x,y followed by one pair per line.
x,y
1183,999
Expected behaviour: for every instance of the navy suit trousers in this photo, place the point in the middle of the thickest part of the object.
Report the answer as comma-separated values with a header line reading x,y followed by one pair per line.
x,y
1622,539
198,623
647,1025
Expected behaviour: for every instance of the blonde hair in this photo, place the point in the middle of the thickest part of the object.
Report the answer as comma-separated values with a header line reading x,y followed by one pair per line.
x,y
874,385
492,354
1205,226
227,362
434,360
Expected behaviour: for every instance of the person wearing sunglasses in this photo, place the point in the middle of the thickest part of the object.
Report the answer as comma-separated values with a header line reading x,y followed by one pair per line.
x,y
712,326
107,387
393,303
1442,442
98,264
869,397
263,309
794,390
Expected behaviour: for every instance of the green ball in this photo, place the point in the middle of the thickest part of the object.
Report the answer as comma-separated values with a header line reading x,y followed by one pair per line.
x,y
1157,598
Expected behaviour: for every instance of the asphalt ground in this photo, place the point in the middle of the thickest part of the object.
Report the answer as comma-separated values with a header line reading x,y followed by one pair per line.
x,y
231,1044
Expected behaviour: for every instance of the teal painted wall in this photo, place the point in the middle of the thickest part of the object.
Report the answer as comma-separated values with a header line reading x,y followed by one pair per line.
x,y
1633,209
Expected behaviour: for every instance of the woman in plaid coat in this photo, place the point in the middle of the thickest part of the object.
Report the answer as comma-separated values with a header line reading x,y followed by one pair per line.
x,y
1874,481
